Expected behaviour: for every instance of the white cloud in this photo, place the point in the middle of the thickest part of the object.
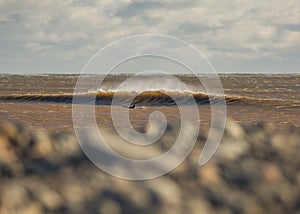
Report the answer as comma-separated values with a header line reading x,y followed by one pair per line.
x,y
75,29
36,47
267,32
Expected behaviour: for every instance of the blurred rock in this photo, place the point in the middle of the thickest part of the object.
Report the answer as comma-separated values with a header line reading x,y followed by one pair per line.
x,y
233,143
255,170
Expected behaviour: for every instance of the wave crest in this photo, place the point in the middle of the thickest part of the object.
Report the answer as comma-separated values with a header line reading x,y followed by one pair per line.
x,y
146,98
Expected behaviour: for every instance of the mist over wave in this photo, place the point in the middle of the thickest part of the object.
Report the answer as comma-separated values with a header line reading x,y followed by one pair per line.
x,y
147,98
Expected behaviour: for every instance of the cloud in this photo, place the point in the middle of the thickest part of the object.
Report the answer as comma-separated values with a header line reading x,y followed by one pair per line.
x,y
69,32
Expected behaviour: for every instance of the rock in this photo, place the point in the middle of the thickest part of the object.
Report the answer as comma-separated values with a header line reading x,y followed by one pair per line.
x,y
272,173
166,189
13,196
209,174
44,145
48,197
255,170
66,146
9,130
199,205
110,207
234,130
7,152
233,143
32,208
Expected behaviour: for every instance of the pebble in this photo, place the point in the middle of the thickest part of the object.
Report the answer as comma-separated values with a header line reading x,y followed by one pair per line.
x,y
255,170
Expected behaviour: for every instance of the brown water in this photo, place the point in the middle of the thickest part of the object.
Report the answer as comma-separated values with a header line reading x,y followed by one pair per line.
x,y
45,102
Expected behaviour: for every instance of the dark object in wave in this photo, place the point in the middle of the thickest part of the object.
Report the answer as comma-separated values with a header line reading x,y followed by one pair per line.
x,y
147,98
129,106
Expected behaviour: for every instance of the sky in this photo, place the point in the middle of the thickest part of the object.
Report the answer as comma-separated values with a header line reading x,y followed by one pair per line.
x,y
237,36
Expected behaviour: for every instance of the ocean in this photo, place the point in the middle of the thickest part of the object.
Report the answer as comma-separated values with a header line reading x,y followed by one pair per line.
x,y
45,101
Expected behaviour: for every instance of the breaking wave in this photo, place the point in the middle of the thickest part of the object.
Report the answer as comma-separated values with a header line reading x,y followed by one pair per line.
x,y
146,98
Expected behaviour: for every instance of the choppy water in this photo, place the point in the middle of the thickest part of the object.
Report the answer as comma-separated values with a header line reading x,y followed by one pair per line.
x,y
45,100
149,98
